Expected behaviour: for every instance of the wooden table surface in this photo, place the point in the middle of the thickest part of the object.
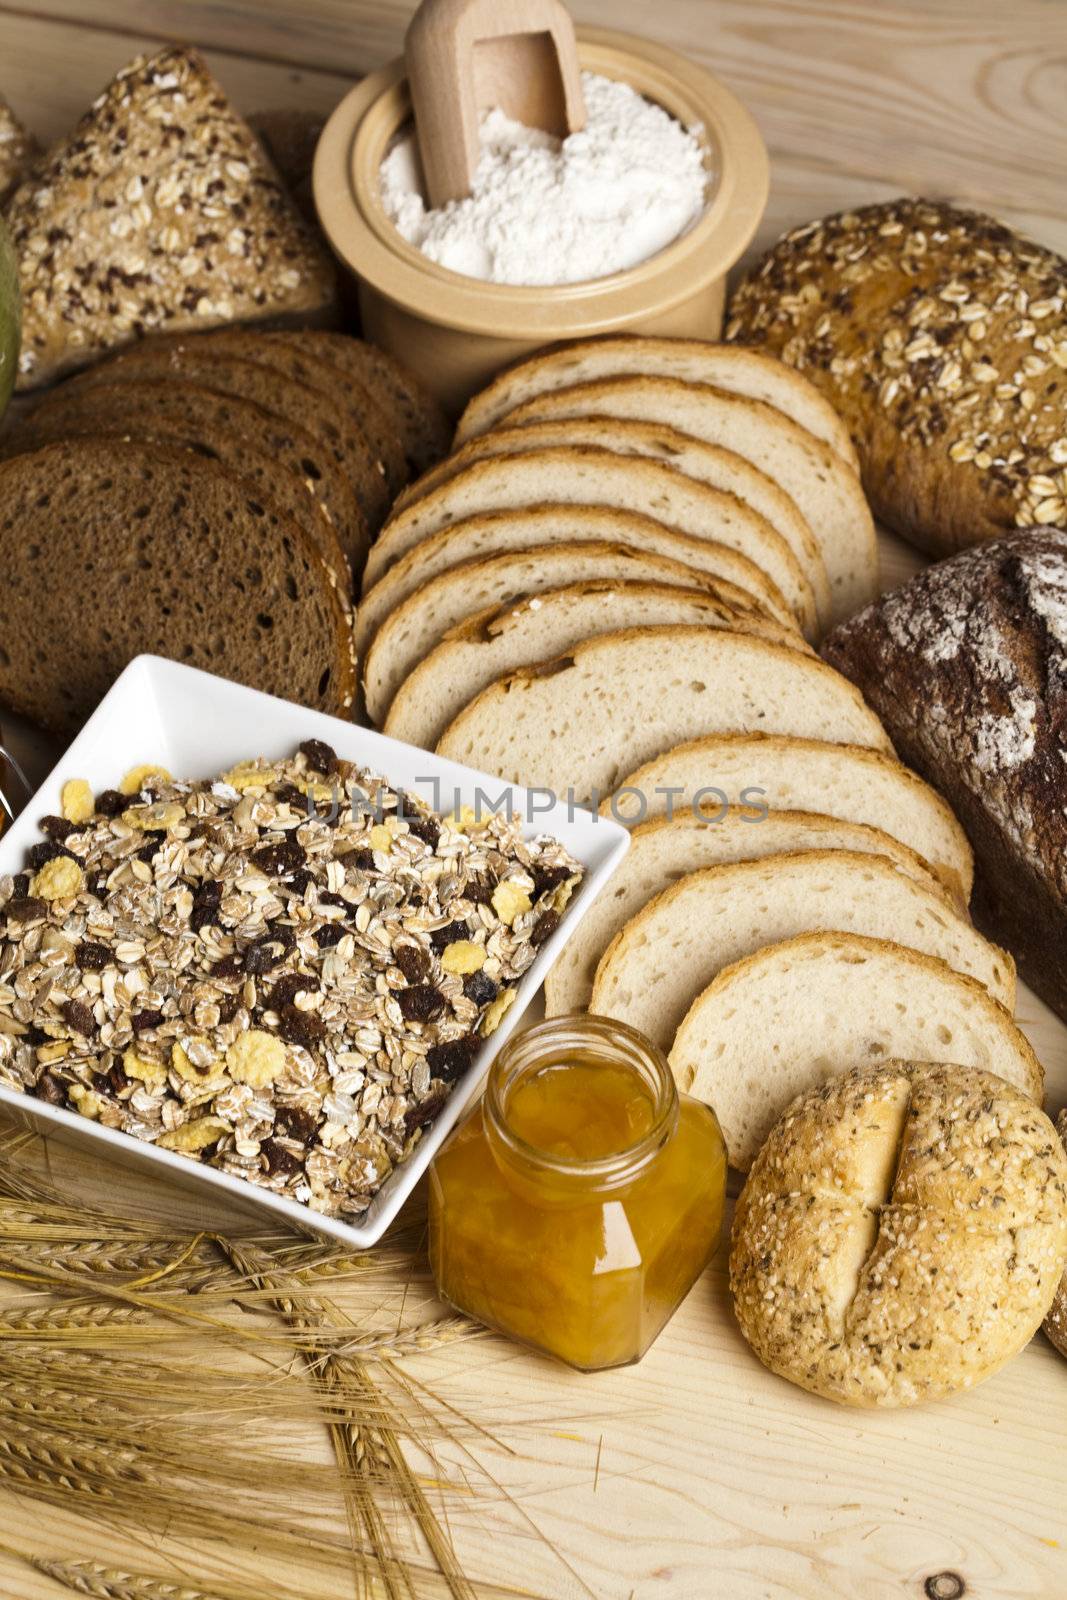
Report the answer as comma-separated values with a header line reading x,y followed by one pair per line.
x,y
697,1475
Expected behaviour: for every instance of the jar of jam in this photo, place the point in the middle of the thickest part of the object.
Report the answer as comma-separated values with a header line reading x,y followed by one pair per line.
x,y
576,1206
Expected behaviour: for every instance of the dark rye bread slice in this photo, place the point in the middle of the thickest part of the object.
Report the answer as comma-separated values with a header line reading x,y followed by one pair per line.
x,y
111,549
191,360
236,433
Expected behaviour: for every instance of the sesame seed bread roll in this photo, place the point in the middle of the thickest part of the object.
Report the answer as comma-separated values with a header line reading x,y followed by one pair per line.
x,y
666,849
1056,1321
791,1016
740,371
940,335
587,717
900,1235
662,959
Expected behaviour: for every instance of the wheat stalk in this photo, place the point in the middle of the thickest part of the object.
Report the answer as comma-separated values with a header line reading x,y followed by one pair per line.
x,y
62,1319
103,1583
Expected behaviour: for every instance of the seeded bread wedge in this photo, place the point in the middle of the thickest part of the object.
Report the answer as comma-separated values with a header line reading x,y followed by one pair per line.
x,y
237,433
498,532
111,549
676,945
838,780
345,449
587,717
423,612
707,463
495,642
668,848
691,360
584,475
18,150
159,211
823,486
796,1014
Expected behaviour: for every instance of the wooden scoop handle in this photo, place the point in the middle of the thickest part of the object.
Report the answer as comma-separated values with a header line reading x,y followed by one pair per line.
x,y
464,56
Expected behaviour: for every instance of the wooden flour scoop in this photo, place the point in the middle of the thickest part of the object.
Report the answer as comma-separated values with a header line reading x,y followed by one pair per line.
x,y
466,56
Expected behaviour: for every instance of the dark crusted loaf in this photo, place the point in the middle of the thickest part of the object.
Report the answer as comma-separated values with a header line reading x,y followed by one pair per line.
x,y
111,549
967,667
940,336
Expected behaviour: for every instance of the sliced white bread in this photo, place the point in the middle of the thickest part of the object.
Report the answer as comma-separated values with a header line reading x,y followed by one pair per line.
x,y
499,640
790,774
824,487
585,475
612,703
497,532
676,945
795,1014
668,848
707,463
739,371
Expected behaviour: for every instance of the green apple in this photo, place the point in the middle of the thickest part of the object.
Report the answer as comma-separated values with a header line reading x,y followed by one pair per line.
x,y
10,320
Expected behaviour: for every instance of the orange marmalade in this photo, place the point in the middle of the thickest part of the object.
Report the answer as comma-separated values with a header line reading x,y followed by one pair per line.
x,y
579,1202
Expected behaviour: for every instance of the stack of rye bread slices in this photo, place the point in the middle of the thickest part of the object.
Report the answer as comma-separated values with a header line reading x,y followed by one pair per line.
x,y
610,590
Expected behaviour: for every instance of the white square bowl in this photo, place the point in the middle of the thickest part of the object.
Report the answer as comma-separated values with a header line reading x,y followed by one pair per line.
x,y
198,726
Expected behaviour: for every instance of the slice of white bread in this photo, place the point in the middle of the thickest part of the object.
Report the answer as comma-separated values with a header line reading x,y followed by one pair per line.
x,y
676,945
498,532
796,1014
790,774
739,371
668,848
707,463
585,475
826,490
612,703
495,642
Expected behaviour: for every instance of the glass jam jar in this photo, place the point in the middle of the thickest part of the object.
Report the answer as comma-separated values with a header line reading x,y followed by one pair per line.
x,y
576,1206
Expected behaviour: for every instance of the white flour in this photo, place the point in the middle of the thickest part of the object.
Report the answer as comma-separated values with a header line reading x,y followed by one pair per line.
x,y
545,211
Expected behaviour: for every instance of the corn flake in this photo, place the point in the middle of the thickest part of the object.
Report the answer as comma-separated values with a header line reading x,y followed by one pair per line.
x,y
60,879
193,1136
510,901
462,957
76,800
137,777
496,1012
256,1058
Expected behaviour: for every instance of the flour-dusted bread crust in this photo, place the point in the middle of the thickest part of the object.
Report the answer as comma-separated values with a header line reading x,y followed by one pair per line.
x,y
707,463
674,947
900,1235
160,211
586,718
667,849
739,371
968,665
793,1015
940,335
495,642
111,549
497,560
584,475
1056,1321
826,490
789,774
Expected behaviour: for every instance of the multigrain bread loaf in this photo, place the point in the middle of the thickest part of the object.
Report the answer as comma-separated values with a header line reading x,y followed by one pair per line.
x,y
584,475
678,943
941,337
586,718
790,774
237,433
820,482
900,1234
739,371
159,211
796,1014
707,463
499,640
967,664
667,849
417,614
18,148
1056,1321
111,549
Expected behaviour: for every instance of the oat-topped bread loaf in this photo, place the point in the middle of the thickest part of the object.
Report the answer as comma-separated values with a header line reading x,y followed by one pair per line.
x,y
940,336
18,148
160,211
111,549
967,666
1056,1321
900,1235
